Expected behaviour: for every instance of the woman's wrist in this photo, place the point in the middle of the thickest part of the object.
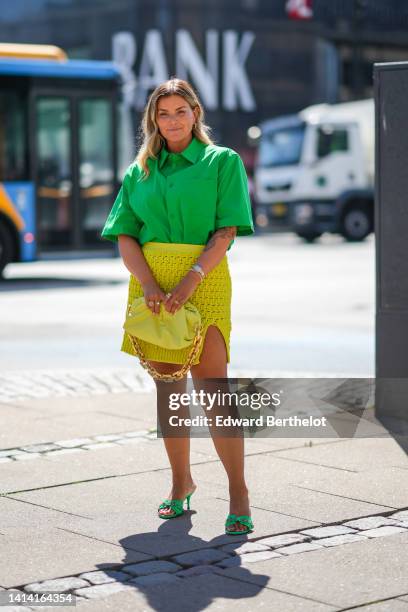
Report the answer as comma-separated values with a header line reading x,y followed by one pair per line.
x,y
195,276
199,270
147,282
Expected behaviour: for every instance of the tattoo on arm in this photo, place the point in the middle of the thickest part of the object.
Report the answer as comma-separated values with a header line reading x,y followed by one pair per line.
x,y
223,232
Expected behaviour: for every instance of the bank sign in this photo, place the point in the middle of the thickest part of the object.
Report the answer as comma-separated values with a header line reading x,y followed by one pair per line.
x,y
218,74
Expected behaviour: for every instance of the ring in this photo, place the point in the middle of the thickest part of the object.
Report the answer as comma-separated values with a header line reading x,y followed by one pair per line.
x,y
158,302
168,295
176,301
150,303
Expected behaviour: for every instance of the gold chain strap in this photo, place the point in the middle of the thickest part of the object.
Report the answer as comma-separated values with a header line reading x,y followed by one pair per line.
x,y
178,375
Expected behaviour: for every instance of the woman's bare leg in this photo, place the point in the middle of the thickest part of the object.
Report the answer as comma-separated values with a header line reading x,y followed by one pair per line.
x,y
213,364
177,448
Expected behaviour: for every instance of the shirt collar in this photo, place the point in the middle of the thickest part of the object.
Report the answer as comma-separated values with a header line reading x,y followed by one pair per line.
x,y
191,152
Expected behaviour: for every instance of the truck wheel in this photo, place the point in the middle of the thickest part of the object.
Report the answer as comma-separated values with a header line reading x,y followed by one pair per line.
x,y
6,248
356,223
309,236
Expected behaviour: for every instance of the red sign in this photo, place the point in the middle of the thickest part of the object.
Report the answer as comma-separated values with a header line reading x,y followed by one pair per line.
x,y
299,9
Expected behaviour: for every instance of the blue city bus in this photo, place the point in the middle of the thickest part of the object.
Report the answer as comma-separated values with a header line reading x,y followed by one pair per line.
x,y
58,152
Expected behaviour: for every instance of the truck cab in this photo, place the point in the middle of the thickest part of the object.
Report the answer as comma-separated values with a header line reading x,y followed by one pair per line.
x,y
315,171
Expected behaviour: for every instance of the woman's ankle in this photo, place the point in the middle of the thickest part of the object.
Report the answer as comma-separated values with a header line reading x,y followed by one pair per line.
x,y
185,481
240,490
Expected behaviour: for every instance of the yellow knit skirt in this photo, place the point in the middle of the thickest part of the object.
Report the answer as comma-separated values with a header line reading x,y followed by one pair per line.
x,y
169,263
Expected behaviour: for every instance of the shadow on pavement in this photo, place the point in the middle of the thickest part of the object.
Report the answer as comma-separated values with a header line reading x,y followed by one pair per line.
x,y
193,592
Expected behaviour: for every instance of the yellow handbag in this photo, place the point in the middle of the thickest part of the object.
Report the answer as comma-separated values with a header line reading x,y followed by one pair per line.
x,y
167,330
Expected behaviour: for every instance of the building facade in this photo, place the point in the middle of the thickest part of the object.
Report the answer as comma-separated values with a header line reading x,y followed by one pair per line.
x,y
249,60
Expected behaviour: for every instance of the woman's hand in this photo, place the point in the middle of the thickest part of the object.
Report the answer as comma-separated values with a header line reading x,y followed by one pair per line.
x,y
152,295
182,292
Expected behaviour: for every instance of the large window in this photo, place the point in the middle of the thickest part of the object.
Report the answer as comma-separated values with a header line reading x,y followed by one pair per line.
x,y
13,143
95,165
54,173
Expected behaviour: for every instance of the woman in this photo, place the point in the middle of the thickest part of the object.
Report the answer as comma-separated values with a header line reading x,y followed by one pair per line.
x,y
182,202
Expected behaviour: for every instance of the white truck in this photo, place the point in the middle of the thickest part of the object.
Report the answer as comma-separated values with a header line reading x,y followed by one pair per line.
x,y
315,171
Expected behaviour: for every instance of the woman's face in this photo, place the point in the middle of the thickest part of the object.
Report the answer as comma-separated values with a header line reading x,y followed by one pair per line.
x,y
175,118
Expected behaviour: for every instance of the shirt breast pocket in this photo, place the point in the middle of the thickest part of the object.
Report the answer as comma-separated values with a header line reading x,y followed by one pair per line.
x,y
198,198
146,203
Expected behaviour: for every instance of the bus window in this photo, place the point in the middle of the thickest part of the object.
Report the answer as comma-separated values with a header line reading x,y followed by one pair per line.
x,y
96,175
54,172
13,142
58,151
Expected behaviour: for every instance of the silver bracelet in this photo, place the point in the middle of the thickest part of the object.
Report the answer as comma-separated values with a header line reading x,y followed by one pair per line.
x,y
198,268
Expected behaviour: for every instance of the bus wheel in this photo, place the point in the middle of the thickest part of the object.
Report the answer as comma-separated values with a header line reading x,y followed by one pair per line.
x,y
356,223
309,236
6,247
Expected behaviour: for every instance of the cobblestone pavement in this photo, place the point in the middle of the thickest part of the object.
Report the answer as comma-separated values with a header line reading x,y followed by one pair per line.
x,y
170,569
74,445
35,384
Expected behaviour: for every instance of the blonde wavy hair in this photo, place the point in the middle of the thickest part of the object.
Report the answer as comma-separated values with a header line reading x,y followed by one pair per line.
x,y
153,141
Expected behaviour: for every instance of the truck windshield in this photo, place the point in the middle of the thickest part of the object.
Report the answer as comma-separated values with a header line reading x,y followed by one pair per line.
x,y
281,147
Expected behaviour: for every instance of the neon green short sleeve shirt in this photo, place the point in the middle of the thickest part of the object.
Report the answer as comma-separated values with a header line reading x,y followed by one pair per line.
x,y
185,199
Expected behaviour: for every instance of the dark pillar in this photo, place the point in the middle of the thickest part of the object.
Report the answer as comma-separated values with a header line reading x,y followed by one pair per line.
x,y
391,230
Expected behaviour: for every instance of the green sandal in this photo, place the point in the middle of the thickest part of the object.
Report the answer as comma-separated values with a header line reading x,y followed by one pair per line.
x,y
176,505
243,519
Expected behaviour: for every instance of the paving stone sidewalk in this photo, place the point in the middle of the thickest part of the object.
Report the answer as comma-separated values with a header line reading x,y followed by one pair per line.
x,y
330,514
59,382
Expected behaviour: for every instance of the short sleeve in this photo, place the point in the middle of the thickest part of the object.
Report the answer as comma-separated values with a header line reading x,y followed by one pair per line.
x,y
122,219
233,202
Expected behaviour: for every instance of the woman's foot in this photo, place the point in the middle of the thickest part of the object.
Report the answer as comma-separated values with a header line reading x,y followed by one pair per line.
x,y
239,505
179,491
